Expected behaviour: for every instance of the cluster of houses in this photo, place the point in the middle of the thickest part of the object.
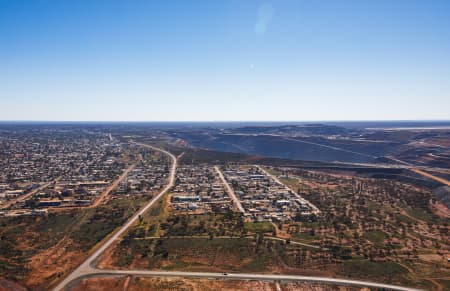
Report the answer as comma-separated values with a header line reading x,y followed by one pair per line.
x,y
23,212
198,189
263,197
146,177
75,169
83,184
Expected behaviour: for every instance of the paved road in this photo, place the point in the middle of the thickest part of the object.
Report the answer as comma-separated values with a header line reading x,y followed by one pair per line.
x,y
292,242
40,188
87,270
431,176
23,197
246,276
114,185
418,170
230,190
86,267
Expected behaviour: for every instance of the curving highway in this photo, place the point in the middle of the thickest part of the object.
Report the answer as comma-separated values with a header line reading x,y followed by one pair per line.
x,y
245,276
86,267
88,270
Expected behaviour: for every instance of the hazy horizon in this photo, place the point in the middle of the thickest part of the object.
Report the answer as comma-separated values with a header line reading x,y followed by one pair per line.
x,y
234,121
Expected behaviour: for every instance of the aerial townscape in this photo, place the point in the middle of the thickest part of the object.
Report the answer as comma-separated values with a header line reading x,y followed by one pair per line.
x,y
235,145
87,206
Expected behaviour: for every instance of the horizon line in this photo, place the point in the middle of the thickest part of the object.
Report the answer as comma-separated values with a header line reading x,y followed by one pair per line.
x,y
223,121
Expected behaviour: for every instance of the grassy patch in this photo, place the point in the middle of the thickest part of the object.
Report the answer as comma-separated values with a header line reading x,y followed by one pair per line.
x,y
291,182
272,171
374,206
375,237
384,271
303,236
421,215
404,218
259,226
202,254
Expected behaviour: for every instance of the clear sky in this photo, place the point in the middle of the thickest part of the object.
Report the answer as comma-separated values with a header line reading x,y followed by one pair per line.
x,y
224,60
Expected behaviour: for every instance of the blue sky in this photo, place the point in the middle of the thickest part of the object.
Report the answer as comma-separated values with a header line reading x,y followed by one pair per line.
x,y
224,60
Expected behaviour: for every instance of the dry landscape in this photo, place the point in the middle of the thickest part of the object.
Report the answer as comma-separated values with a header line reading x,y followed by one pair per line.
x,y
226,213
136,283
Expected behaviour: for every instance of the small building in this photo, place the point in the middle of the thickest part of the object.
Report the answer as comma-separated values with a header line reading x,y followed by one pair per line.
x,y
48,203
13,193
82,202
193,198
192,206
283,203
39,211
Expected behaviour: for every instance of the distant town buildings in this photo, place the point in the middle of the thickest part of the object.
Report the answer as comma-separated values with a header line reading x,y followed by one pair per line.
x,y
199,190
263,198
61,169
